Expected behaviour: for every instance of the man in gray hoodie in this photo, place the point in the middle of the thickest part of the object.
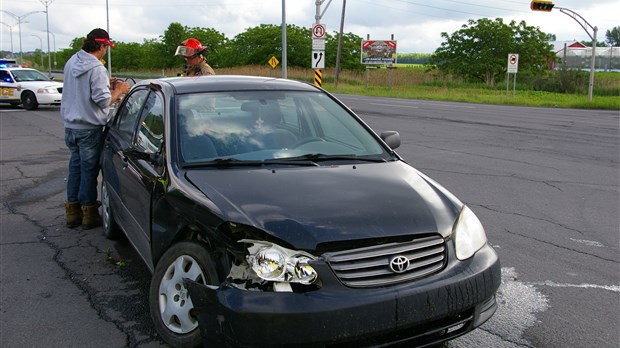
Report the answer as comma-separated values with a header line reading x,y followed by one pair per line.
x,y
85,104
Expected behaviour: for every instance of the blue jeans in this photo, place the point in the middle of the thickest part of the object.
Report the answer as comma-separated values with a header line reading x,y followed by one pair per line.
x,y
85,146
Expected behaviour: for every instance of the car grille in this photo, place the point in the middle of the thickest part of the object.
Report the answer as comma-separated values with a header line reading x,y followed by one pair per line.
x,y
389,263
59,90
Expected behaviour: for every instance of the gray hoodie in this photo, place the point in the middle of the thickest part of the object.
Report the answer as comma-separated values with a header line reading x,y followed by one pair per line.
x,y
86,92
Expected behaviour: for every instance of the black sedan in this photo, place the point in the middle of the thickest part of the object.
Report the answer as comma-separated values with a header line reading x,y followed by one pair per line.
x,y
271,215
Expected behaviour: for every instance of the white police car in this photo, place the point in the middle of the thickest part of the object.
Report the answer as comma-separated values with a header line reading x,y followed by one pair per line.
x,y
28,87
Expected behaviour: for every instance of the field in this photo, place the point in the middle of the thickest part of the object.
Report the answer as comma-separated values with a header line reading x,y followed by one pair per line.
x,y
413,81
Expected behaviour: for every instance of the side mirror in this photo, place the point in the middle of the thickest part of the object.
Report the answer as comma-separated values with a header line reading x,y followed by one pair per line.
x,y
391,138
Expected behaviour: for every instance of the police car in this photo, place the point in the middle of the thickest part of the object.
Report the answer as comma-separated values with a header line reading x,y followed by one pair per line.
x,y
28,87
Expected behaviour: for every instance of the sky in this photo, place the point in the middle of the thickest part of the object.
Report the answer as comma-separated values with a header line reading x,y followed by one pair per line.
x,y
416,24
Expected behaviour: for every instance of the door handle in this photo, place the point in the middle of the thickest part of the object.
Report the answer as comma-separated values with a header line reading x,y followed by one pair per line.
x,y
124,158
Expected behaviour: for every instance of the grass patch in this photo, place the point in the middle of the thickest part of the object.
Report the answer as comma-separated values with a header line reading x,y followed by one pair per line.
x,y
413,82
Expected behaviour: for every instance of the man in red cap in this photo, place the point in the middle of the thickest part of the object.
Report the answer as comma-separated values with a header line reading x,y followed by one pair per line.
x,y
85,104
194,53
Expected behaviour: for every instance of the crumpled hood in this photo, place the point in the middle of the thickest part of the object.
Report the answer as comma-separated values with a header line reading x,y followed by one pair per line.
x,y
83,63
307,206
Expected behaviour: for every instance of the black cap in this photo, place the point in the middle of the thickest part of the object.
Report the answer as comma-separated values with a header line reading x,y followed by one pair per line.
x,y
100,35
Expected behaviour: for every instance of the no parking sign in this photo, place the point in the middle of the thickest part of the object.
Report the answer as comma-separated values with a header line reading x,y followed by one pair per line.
x,y
513,63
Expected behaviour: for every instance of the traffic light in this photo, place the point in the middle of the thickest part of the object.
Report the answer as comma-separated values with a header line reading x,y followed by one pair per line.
x,y
542,5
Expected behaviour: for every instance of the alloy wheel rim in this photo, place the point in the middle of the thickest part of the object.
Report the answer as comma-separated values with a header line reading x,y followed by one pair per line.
x,y
175,305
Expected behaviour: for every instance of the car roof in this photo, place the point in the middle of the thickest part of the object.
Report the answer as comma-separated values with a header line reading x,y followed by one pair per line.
x,y
213,83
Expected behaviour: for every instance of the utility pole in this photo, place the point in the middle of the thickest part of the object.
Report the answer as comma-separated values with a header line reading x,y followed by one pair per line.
x,y
10,33
338,54
20,20
284,39
49,56
41,42
107,16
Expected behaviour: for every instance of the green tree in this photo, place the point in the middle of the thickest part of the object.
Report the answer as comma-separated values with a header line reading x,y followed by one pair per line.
x,y
479,50
256,45
413,58
613,36
350,54
62,56
151,57
598,43
127,56
173,36
216,42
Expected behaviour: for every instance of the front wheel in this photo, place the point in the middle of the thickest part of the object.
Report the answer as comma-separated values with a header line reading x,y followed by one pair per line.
x,y
110,228
171,307
29,100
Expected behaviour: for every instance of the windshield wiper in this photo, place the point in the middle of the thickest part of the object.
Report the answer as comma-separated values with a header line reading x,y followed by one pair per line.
x,y
318,157
234,162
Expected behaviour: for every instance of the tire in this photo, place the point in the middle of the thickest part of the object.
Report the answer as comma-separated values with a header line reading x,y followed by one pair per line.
x,y
29,100
111,230
172,310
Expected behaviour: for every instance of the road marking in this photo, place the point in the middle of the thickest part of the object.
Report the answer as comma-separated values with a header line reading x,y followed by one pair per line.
x,y
612,288
588,242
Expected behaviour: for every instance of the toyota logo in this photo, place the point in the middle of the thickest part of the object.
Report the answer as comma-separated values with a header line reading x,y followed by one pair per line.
x,y
399,264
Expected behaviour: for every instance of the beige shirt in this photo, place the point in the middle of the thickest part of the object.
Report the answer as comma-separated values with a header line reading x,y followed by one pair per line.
x,y
198,70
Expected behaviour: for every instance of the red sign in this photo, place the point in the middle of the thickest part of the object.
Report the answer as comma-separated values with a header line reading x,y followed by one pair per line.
x,y
379,52
318,31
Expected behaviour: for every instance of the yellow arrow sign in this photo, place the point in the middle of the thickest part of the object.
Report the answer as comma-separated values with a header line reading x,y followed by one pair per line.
x,y
273,62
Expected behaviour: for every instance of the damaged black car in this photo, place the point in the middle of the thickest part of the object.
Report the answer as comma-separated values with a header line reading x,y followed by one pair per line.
x,y
271,215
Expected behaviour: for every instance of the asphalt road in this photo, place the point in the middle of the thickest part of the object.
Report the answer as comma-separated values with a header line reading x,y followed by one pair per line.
x,y
544,182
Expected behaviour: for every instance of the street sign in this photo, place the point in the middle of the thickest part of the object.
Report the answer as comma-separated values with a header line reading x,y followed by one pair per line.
x,y
273,62
513,63
318,31
318,44
318,59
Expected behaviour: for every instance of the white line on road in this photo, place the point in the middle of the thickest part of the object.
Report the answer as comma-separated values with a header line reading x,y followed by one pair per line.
x,y
613,288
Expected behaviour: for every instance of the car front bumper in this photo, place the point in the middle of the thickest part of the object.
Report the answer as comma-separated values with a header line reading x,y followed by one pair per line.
x,y
428,311
48,98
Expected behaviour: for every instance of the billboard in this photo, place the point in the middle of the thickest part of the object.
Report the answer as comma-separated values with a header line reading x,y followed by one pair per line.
x,y
379,52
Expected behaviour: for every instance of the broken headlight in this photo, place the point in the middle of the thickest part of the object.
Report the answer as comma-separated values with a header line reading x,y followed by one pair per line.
x,y
275,263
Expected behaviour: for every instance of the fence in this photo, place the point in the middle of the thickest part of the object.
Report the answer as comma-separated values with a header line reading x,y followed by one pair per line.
x,y
607,58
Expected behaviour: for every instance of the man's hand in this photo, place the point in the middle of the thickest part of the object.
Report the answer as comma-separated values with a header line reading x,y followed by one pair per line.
x,y
118,88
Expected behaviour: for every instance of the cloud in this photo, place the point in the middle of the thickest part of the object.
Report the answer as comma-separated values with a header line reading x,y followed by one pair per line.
x,y
416,24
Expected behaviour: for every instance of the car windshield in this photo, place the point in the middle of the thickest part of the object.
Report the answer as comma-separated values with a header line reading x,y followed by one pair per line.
x,y
29,75
230,128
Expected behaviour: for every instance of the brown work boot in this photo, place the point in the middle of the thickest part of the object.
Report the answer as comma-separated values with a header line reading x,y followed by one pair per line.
x,y
73,212
91,217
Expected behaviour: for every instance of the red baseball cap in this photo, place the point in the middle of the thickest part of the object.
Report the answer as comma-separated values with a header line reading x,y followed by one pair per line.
x,y
100,35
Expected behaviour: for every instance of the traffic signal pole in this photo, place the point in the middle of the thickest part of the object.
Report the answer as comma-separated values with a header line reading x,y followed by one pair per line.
x,y
547,6
585,25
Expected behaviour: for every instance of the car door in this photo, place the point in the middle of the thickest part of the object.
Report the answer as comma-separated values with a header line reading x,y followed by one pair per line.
x,y
144,166
8,90
121,178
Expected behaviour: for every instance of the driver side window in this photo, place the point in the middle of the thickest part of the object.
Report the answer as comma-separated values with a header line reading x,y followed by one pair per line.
x,y
151,128
129,115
